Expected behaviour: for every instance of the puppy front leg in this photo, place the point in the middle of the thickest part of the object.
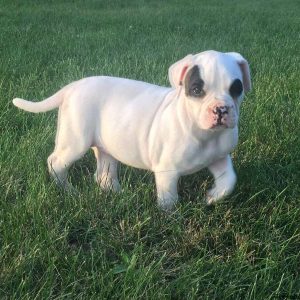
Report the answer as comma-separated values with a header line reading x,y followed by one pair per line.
x,y
166,185
225,179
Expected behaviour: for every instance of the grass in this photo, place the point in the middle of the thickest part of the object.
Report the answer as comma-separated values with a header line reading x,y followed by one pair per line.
x,y
105,246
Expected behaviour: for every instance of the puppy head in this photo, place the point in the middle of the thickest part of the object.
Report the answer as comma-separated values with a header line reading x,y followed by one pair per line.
x,y
213,85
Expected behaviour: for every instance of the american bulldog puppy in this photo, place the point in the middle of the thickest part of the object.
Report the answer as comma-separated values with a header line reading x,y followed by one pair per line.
x,y
172,131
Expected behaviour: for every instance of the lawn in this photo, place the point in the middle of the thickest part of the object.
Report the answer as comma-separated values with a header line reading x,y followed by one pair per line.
x,y
99,245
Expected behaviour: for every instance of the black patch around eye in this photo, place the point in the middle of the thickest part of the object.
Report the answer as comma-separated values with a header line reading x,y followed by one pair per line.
x,y
236,88
193,83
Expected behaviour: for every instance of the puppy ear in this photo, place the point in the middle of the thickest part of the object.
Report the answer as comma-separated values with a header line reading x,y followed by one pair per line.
x,y
178,71
242,62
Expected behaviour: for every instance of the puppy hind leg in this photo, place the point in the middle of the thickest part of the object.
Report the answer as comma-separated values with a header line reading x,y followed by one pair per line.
x,y
107,171
59,163
58,170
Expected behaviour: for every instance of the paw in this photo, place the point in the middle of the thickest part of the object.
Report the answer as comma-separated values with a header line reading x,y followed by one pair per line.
x,y
106,183
214,195
167,205
115,185
223,186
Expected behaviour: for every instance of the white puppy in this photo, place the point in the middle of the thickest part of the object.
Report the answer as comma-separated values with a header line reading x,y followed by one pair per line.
x,y
170,131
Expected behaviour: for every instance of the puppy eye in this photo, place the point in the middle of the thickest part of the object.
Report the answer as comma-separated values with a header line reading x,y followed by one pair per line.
x,y
236,88
198,92
194,83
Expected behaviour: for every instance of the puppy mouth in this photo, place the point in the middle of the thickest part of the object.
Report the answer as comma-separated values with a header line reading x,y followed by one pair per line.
x,y
220,125
219,120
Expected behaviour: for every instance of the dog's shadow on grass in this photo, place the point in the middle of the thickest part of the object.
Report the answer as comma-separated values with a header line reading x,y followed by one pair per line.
x,y
262,180
191,188
254,177
257,182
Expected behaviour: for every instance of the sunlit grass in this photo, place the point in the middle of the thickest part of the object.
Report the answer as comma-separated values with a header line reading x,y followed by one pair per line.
x,y
100,245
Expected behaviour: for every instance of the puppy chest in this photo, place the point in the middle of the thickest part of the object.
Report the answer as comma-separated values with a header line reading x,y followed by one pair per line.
x,y
194,158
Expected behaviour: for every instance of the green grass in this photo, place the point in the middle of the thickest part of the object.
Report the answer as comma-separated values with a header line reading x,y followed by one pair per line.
x,y
105,246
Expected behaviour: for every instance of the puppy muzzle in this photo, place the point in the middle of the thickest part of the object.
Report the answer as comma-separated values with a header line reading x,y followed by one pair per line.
x,y
222,116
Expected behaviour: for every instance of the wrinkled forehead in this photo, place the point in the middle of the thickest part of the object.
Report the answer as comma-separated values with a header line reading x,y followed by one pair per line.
x,y
218,70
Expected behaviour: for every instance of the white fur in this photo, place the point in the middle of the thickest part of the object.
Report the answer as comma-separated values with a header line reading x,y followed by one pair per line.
x,y
149,127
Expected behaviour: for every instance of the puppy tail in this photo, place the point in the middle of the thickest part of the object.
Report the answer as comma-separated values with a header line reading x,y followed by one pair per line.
x,y
42,106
